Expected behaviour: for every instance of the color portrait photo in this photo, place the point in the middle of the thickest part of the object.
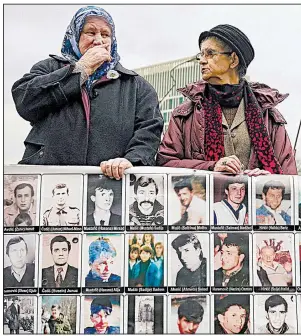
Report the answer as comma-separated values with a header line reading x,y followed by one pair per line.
x,y
273,259
146,261
273,200
188,314
21,200
60,260
102,260
102,314
58,314
187,200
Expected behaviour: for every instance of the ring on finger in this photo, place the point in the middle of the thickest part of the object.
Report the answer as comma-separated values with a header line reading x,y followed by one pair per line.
x,y
224,163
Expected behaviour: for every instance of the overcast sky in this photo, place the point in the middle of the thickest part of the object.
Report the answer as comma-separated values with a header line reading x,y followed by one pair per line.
x,y
149,34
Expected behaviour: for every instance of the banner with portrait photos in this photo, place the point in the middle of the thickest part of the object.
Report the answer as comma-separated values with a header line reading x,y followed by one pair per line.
x,y
162,251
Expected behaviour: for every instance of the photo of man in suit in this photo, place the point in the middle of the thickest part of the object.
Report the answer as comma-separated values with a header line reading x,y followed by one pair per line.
x,y
103,198
20,273
60,274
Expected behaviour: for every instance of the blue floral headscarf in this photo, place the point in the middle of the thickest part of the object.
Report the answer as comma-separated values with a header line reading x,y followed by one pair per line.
x,y
70,49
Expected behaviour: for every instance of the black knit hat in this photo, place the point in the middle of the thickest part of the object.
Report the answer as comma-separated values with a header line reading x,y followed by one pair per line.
x,y
235,38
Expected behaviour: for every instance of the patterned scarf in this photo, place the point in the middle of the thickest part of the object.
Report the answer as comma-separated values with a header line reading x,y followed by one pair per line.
x,y
230,96
70,49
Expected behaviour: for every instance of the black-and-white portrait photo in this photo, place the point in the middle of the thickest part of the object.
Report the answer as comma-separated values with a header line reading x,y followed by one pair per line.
x,y
20,315
231,200
104,201
273,200
188,314
231,259
232,314
273,259
188,259
275,314
187,200
21,200
145,314
146,197
61,202
60,259
20,261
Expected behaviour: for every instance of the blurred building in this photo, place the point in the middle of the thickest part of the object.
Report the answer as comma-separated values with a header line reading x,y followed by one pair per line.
x,y
184,70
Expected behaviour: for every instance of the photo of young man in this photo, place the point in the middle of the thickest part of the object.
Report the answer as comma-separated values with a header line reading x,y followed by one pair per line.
x,y
102,260
101,314
275,314
61,253
19,261
188,314
187,254
273,200
188,195
231,314
231,260
20,200
232,209
147,194
103,201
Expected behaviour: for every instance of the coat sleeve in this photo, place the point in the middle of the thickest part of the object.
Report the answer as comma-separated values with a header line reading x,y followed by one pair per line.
x,y
172,149
45,89
148,127
281,143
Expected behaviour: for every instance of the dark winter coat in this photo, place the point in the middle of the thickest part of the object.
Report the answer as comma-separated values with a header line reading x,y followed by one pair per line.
x,y
119,118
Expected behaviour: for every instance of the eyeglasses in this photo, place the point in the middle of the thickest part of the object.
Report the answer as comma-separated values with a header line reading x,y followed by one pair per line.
x,y
209,53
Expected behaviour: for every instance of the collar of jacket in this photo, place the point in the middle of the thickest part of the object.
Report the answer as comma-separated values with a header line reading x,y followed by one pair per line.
x,y
118,66
267,98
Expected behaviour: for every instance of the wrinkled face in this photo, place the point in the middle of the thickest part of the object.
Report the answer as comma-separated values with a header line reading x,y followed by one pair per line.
x,y
276,316
134,255
60,253
217,66
146,197
189,256
23,199
103,198
273,198
102,267
55,312
236,192
145,256
159,250
100,321
234,319
60,196
185,196
96,31
268,255
187,327
17,254
230,257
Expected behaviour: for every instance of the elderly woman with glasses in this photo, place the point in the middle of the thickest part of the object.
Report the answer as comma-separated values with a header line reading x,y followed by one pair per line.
x,y
227,124
84,107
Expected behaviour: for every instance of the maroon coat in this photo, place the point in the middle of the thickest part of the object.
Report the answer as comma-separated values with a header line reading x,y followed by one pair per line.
x,y
183,143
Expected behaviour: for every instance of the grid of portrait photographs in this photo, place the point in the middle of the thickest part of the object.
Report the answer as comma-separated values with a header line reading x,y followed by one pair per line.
x,y
162,253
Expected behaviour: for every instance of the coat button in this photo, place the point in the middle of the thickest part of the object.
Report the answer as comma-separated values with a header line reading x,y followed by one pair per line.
x,y
198,106
233,135
41,153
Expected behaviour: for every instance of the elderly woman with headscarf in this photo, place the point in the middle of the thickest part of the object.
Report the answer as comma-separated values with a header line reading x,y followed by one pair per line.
x,y
227,124
84,107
